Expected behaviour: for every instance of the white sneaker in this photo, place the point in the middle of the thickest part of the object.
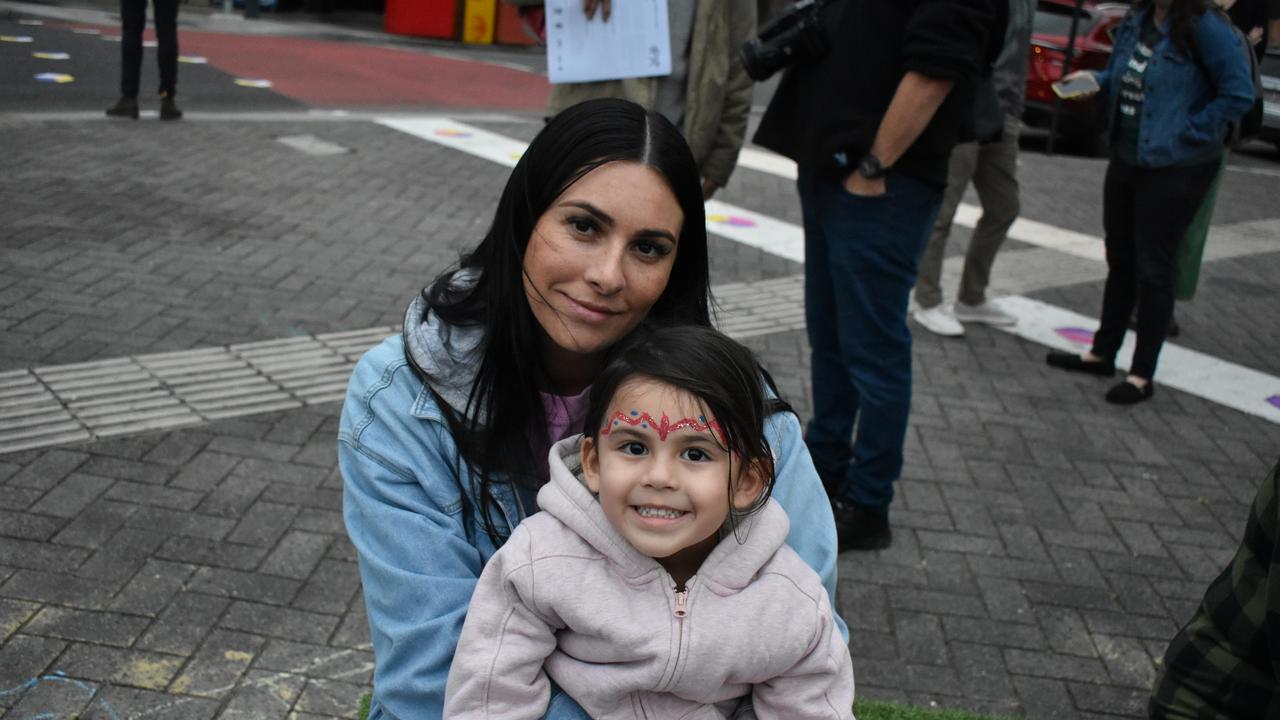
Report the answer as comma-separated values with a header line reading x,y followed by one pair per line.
x,y
987,313
939,321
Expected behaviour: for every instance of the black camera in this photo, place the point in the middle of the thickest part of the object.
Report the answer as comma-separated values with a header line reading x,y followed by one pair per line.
x,y
795,36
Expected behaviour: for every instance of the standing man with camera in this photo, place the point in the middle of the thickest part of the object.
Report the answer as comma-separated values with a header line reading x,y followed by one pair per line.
x,y
871,123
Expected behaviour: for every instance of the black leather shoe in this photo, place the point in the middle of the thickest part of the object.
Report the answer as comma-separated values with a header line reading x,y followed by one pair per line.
x,y
169,109
860,528
125,107
1074,363
1126,393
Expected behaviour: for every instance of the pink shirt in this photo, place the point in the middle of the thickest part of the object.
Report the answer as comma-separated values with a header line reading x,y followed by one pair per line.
x,y
564,413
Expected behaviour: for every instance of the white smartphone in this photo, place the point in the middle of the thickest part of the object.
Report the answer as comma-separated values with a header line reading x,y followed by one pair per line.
x,y
1076,86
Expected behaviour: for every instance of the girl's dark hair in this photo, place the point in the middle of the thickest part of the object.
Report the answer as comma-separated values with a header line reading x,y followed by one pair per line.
x,y
1183,16
723,375
502,434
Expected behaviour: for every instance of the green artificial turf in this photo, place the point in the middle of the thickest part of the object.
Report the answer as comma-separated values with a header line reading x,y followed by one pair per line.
x,y
864,709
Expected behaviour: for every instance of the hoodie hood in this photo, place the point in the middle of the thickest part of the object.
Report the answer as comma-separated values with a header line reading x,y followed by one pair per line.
x,y
448,355
730,567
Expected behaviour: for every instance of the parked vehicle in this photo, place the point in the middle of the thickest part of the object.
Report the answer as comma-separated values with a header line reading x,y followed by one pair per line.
x,y
1270,71
1082,122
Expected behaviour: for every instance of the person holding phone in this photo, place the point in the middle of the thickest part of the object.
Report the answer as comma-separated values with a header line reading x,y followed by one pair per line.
x,y
1176,79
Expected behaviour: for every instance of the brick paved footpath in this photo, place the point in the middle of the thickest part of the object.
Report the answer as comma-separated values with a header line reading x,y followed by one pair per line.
x,y
1046,545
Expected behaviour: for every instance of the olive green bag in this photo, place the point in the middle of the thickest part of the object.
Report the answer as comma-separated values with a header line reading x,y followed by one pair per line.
x,y
1186,269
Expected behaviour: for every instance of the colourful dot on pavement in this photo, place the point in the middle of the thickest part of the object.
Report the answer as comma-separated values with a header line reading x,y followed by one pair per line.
x,y
731,220
1079,336
192,60
1274,400
51,55
57,78
451,133
252,83
16,38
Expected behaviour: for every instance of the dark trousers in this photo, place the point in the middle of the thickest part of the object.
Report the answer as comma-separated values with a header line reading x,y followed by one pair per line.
x,y
1145,215
861,257
133,20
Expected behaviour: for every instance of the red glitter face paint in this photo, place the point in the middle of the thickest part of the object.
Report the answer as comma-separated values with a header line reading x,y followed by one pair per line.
x,y
665,427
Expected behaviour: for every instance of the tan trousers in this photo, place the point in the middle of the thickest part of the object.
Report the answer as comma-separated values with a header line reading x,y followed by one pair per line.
x,y
993,168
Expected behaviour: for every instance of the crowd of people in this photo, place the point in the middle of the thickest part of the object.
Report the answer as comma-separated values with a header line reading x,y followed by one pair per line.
x,y
683,563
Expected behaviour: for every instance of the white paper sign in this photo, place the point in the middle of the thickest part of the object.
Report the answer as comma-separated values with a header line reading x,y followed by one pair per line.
x,y
635,42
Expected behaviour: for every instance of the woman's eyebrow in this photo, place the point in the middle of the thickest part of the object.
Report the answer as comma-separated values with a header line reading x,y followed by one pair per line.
x,y
607,219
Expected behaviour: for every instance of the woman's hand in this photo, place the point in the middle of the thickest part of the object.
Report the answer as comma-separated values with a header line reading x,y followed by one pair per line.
x,y
606,8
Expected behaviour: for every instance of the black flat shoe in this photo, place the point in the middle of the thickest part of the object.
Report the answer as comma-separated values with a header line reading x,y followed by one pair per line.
x,y
1126,393
859,528
1074,363
125,107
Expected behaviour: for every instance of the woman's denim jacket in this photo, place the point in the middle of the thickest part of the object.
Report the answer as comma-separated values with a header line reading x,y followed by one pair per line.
x,y
419,557
1187,102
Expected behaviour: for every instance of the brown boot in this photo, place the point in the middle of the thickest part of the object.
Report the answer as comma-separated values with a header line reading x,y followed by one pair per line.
x,y
125,107
168,108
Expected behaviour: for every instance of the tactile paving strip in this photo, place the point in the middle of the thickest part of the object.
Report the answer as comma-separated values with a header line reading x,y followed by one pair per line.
x,y
60,404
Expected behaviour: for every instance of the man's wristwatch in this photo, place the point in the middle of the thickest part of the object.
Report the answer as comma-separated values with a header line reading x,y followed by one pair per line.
x,y
870,168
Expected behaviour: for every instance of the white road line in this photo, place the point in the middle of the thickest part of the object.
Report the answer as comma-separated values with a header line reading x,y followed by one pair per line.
x,y
1219,381
730,221
1216,380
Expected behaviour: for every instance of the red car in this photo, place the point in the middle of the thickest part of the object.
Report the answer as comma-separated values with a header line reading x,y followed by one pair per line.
x,y
1082,122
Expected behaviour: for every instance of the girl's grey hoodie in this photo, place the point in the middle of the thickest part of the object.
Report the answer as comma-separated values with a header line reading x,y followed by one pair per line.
x,y
568,599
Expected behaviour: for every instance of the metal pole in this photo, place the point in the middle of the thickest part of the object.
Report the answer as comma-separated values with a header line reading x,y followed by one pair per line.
x,y
1066,68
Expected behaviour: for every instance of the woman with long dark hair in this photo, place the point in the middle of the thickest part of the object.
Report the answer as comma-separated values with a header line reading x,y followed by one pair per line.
x,y
1178,76
446,428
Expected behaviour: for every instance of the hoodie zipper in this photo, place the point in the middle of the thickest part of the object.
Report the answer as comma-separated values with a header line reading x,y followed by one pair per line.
x,y
680,611
682,602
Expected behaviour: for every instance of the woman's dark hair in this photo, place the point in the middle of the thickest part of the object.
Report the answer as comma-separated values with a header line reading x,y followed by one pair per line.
x,y
503,429
1183,16
723,375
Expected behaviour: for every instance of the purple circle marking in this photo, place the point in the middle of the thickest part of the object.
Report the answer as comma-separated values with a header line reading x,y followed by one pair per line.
x,y
1274,400
1079,336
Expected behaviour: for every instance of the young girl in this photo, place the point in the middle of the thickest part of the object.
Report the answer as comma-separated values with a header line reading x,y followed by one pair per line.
x,y
656,582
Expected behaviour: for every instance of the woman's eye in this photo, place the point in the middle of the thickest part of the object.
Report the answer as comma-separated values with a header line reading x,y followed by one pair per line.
x,y
652,249
583,226
633,448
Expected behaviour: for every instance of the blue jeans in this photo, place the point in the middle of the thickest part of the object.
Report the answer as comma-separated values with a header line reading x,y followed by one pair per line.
x,y
861,257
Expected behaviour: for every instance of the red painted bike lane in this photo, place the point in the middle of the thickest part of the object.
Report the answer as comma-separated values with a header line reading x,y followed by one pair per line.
x,y
347,74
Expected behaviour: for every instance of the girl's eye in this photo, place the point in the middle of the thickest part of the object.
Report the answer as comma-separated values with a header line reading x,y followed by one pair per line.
x,y
696,455
633,448
649,249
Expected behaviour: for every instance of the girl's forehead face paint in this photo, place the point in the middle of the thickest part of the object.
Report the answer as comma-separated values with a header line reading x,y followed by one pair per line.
x,y
665,426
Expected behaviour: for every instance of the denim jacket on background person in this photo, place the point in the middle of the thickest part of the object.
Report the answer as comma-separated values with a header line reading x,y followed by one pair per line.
x,y
1187,102
403,507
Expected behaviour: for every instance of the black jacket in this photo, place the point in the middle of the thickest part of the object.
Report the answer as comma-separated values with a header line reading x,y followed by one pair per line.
x,y
825,114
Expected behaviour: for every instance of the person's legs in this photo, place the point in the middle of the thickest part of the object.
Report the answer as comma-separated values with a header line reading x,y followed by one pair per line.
x,y
873,253
1165,202
166,14
996,180
1118,219
133,19
960,169
835,400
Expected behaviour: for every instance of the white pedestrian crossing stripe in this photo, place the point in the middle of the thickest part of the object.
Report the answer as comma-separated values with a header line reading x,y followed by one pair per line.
x,y
1213,379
